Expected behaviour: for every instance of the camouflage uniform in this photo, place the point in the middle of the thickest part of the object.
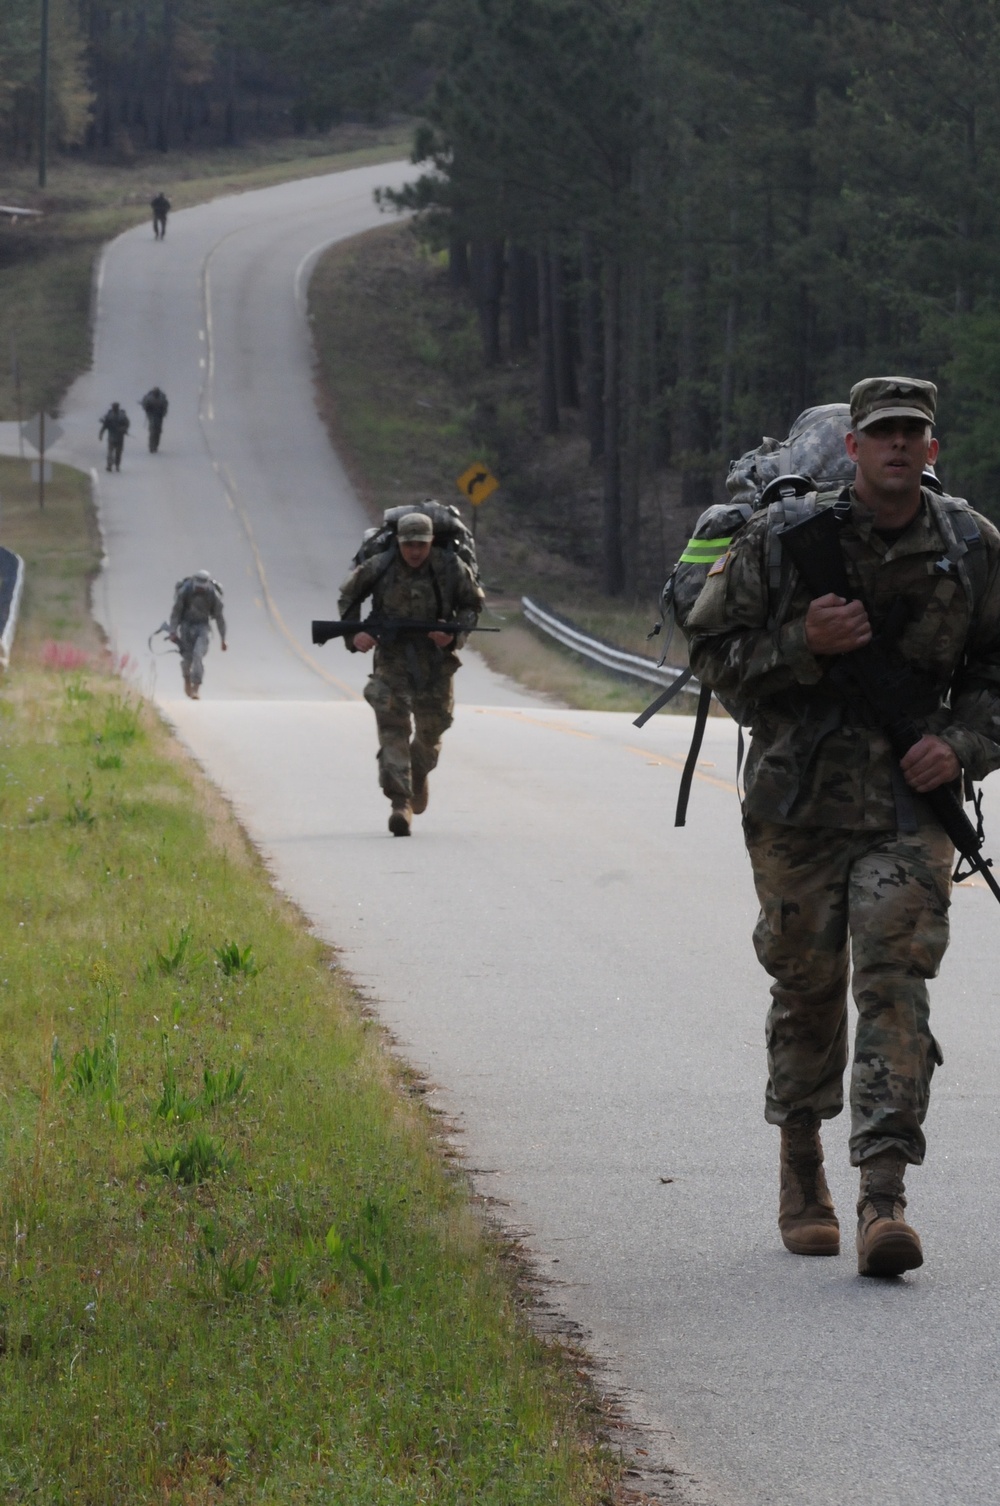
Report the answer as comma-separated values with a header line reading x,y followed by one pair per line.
x,y
115,424
410,688
197,601
161,208
839,845
155,405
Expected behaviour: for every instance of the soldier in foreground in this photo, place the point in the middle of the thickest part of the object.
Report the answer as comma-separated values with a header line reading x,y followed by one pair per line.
x,y
115,424
411,686
155,406
844,850
161,208
197,601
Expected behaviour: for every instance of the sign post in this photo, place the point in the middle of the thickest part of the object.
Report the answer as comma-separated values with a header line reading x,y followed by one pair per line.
x,y
40,432
477,483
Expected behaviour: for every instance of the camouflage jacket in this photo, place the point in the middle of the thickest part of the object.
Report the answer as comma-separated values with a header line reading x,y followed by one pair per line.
x,y
196,603
816,760
442,589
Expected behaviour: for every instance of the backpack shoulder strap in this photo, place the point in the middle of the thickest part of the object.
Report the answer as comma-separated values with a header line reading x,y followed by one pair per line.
x,y
966,550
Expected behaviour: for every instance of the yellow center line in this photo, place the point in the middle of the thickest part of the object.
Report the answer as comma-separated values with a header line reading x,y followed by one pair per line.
x,y
653,758
206,410
678,763
536,721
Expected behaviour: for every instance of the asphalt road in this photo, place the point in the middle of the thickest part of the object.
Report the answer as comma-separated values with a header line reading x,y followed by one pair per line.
x,y
573,974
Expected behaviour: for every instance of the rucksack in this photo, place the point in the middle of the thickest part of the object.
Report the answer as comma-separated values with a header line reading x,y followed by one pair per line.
x,y
450,533
789,478
814,449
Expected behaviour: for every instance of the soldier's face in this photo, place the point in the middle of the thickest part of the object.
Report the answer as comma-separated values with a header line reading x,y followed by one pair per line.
x,y
893,454
415,551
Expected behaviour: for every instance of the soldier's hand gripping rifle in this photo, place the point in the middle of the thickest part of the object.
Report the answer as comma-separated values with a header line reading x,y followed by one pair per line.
x,y
878,675
389,629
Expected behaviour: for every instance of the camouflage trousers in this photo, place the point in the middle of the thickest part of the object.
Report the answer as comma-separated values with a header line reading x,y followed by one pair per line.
x,y
194,639
411,723
116,443
886,896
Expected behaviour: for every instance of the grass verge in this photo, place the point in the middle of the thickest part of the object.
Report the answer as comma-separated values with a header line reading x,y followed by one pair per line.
x,y
234,1265
409,406
46,264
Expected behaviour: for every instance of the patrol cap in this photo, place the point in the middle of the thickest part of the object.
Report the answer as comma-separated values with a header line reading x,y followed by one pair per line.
x,y
414,528
876,398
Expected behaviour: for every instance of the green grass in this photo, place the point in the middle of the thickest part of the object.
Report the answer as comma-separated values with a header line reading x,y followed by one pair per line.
x,y
234,1263
230,1253
46,265
61,549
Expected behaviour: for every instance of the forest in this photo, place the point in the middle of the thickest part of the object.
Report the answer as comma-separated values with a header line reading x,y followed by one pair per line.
x,y
700,216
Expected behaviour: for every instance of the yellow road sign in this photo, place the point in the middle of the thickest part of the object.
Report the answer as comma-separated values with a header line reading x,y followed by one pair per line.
x,y
477,483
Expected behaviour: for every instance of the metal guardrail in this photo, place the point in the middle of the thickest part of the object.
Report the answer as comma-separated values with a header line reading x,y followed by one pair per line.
x,y
599,652
11,585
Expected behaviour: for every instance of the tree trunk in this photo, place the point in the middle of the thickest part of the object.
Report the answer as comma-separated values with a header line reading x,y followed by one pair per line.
x,y
520,291
458,260
692,420
567,394
590,340
486,265
631,421
548,403
728,383
613,572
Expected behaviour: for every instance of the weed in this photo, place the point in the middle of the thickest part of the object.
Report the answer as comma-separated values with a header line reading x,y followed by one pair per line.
x,y
287,1285
375,1271
79,812
121,721
379,1281
108,761
173,1106
222,1279
222,1087
58,1065
190,1162
172,960
76,691
233,961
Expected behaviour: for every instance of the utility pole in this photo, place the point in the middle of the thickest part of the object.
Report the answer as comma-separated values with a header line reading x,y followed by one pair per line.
x,y
43,89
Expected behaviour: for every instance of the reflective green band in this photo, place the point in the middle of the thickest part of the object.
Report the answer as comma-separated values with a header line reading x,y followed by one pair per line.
x,y
704,551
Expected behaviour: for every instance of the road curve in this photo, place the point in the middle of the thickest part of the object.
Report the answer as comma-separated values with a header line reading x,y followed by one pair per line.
x,y
573,973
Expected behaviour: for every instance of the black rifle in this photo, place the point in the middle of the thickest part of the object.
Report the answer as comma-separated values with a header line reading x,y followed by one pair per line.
x,y
388,629
878,675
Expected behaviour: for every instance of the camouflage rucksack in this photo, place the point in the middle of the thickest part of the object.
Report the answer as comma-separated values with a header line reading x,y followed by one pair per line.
x,y
450,532
814,449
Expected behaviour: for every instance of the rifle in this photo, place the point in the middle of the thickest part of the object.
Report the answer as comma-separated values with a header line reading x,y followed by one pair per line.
x,y
388,629
879,676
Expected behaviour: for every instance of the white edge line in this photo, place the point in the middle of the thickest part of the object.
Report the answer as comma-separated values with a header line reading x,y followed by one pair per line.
x,y
7,637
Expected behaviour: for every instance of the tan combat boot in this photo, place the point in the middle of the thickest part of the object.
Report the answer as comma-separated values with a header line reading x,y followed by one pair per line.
x,y
399,821
420,794
806,1218
887,1245
418,776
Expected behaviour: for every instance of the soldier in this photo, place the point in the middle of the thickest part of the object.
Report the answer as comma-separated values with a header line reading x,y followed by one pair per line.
x,y
161,208
116,425
155,406
410,688
843,849
197,600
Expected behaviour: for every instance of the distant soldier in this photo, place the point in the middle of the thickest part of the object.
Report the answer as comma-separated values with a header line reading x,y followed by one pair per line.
x,y
410,689
197,600
155,406
161,208
116,425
